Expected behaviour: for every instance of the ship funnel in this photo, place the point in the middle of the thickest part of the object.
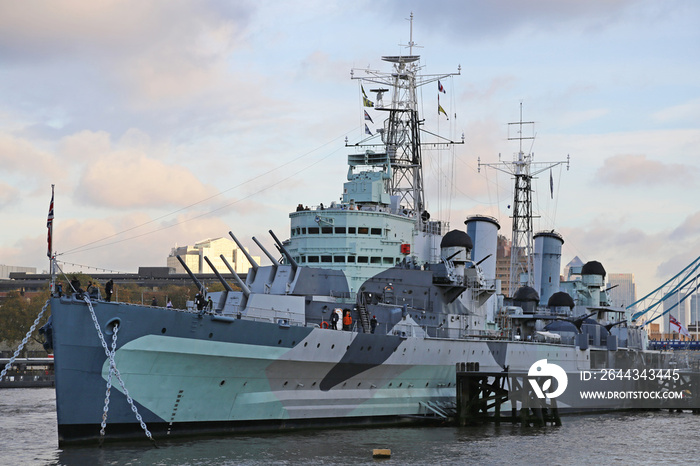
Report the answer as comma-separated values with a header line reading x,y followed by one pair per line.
x,y
547,264
483,231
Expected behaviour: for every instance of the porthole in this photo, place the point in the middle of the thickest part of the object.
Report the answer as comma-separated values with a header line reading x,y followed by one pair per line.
x,y
222,383
211,335
162,330
279,342
318,345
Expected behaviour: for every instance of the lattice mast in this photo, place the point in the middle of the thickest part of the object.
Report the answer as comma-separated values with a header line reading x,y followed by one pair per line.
x,y
523,169
400,133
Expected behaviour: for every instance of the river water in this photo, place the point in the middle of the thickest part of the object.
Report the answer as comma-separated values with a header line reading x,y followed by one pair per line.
x,y
28,437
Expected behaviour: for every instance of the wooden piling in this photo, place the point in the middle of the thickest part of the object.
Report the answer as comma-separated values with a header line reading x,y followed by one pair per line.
x,y
480,397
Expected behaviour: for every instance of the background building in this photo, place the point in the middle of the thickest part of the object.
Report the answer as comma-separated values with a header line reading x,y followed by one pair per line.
x,y
503,262
5,270
212,249
695,309
625,291
573,263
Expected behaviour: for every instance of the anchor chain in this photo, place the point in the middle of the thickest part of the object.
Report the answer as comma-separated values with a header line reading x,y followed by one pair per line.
x,y
105,410
24,341
113,367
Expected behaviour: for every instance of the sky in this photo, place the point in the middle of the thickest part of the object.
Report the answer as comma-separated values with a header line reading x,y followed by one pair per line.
x,y
164,123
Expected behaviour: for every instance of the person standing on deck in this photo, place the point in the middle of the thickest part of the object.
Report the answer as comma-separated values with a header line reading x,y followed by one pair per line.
x,y
334,319
347,320
109,289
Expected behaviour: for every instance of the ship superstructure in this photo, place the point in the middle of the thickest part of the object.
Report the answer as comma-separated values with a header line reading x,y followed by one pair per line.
x,y
382,219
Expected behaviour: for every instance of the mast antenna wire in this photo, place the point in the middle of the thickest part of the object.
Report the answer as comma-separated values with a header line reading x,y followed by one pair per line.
x,y
84,247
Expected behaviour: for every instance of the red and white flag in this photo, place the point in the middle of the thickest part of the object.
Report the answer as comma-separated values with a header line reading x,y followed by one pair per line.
x,y
678,326
49,225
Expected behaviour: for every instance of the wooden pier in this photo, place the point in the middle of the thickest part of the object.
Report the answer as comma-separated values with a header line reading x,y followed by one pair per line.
x,y
481,397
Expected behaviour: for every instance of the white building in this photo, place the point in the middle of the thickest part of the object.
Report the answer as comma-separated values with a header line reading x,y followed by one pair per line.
x,y
212,249
6,270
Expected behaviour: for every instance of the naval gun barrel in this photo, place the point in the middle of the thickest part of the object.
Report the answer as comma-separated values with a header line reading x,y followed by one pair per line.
x,y
200,287
218,275
453,255
253,264
269,256
608,327
482,260
241,284
284,251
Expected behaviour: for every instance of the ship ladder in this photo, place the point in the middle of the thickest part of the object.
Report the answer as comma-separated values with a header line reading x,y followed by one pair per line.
x,y
364,315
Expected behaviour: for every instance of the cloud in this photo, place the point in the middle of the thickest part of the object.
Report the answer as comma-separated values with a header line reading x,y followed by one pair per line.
x,y
114,65
129,174
121,243
685,112
19,157
130,179
58,29
629,169
499,18
8,195
690,228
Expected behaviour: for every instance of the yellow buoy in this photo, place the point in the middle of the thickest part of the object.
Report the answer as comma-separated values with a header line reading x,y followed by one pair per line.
x,y
381,453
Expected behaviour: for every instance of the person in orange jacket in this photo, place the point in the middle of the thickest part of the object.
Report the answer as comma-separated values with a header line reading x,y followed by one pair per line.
x,y
347,320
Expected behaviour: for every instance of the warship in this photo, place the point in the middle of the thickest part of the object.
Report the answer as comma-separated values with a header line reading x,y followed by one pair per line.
x,y
416,298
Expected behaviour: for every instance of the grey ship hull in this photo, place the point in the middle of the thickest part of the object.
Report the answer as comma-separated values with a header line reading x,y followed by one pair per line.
x,y
211,374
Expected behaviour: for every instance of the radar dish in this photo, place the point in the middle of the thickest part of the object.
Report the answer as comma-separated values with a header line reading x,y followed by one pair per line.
x,y
402,59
